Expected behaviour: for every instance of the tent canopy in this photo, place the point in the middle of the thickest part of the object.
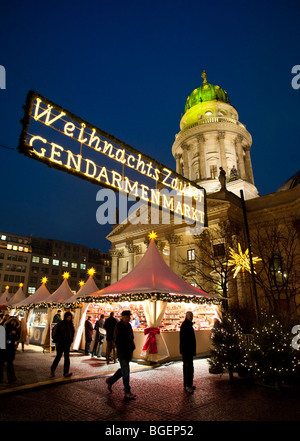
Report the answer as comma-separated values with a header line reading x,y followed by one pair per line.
x,y
40,294
19,296
88,288
62,293
152,275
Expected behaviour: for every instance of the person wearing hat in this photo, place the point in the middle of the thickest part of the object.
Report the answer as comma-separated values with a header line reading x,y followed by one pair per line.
x,y
125,346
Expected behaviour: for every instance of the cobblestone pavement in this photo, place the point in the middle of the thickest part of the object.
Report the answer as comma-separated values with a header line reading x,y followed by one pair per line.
x,y
160,395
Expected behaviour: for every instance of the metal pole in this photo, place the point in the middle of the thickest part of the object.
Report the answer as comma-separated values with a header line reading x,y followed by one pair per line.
x,y
250,252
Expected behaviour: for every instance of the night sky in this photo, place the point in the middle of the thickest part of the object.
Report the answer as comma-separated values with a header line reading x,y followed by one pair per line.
x,y
128,67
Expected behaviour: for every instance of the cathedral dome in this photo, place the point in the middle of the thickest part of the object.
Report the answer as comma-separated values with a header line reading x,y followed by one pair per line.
x,y
292,182
206,92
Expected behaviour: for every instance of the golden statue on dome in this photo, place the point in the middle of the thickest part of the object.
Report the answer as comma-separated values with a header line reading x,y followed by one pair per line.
x,y
204,77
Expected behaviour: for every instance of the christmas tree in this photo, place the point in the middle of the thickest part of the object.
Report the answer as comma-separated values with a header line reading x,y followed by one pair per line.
x,y
271,356
228,353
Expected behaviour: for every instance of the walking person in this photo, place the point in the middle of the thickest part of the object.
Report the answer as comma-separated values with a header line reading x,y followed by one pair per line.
x,y
63,335
125,347
23,333
188,351
109,326
100,334
12,335
88,327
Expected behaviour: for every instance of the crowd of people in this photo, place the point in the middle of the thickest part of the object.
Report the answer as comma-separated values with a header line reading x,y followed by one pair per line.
x,y
119,344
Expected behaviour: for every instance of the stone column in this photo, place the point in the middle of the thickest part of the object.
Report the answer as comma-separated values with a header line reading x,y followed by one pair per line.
x,y
178,163
240,155
120,267
201,141
248,164
114,264
221,138
186,169
195,167
131,249
173,240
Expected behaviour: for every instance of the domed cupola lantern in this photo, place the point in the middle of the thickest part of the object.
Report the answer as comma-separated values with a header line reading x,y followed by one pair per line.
x,y
211,137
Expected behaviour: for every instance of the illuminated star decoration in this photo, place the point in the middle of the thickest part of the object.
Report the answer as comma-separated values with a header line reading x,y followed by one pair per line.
x,y
44,280
81,283
66,275
152,235
91,271
241,261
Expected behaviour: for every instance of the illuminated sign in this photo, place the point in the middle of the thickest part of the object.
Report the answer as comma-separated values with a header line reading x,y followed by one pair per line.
x,y
62,140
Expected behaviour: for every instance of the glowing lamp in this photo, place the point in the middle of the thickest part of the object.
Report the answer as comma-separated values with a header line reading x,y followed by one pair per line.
x,y
20,285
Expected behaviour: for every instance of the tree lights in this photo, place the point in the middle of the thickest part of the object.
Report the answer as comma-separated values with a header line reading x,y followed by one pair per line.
x,y
270,356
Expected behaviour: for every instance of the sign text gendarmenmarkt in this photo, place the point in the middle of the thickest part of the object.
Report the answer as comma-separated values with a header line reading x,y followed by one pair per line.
x,y
58,138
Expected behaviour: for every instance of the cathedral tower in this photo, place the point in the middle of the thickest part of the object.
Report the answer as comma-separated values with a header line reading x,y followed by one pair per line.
x,y
211,136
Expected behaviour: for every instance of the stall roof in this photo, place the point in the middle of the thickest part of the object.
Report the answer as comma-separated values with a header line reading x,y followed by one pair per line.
x,y
152,275
4,297
62,293
19,296
40,295
88,288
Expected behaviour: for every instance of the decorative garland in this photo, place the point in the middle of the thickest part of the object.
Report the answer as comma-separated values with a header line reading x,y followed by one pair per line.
x,y
140,297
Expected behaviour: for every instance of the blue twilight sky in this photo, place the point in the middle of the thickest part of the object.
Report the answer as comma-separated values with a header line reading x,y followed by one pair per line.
x,y
127,67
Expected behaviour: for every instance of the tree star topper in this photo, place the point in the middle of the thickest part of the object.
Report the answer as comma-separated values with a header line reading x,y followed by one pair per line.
x,y
241,261
66,275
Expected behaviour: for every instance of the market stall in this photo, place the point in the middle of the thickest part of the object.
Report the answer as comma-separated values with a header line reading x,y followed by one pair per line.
x,y
51,304
36,317
82,310
161,299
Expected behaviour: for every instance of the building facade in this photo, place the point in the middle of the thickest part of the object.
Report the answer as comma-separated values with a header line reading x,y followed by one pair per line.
x,y
15,261
212,140
27,259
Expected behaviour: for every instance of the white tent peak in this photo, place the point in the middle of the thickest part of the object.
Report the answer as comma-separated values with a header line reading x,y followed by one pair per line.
x,y
40,295
87,289
152,275
4,297
19,296
62,293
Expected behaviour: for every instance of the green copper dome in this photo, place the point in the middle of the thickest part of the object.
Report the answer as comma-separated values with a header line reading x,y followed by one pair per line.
x,y
206,92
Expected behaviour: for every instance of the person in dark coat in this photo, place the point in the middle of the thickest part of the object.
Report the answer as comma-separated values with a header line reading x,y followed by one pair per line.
x,y
12,335
57,317
109,326
188,351
88,326
125,346
99,338
63,336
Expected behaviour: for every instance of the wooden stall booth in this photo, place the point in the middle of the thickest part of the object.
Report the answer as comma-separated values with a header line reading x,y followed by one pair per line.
x,y
160,299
